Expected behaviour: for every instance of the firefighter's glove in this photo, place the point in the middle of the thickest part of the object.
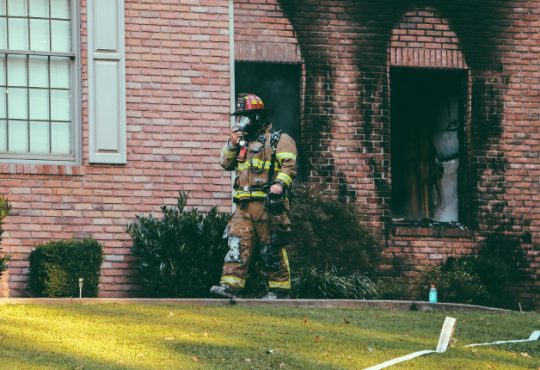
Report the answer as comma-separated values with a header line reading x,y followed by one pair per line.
x,y
276,188
275,203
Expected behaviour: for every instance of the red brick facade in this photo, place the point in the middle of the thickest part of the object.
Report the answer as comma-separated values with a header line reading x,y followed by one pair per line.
x,y
347,49
177,80
178,97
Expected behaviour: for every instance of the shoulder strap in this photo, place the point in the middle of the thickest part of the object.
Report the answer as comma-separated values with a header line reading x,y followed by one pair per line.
x,y
274,140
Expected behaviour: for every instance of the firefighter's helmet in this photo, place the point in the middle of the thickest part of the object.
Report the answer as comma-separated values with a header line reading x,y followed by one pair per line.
x,y
251,114
248,103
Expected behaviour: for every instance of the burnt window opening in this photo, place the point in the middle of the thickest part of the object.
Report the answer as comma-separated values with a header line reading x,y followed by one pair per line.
x,y
428,144
278,85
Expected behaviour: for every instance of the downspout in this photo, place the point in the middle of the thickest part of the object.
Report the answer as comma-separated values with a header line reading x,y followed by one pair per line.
x,y
231,57
232,80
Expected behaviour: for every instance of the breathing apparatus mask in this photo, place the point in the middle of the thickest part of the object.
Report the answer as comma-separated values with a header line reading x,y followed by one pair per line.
x,y
250,124
251,117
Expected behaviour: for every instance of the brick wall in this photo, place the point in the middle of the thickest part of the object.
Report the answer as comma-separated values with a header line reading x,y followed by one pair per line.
x,y
178,100
262,33
347,48
177,76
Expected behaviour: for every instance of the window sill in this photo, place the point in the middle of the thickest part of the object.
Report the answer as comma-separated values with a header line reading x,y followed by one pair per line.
x,y
440,230
42,169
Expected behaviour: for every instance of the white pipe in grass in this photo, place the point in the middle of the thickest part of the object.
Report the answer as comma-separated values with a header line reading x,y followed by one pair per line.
x,y
533,337
444,340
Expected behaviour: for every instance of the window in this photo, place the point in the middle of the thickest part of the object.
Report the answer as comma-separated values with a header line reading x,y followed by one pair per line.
x,y
37,80
428,143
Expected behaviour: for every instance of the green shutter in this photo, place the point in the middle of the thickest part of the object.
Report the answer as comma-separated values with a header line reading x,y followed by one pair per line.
x,y
106,81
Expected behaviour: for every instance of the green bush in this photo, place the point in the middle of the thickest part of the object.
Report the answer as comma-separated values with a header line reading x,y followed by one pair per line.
x,y
327,232
457,281
5,210
332,253
485,278
389,289
311,282
501,265
180,254
55,268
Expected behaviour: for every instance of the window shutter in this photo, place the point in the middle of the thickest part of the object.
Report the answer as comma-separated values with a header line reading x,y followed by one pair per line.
x,y
106,81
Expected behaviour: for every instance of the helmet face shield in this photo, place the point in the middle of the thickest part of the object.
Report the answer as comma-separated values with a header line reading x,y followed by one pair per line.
x,y
251,115
243,123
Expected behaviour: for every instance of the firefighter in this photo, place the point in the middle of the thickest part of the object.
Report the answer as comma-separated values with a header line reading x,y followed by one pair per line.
x,y
265,164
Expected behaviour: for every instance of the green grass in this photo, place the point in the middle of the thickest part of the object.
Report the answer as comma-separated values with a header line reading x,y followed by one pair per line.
x,y
113,336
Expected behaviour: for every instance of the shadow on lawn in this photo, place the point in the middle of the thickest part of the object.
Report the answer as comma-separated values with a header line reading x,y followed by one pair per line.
x,y
28,349
174,335
219,321
24,355
20,353
234,357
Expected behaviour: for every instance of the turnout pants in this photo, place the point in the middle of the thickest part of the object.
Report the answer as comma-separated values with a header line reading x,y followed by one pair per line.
x,y
252,226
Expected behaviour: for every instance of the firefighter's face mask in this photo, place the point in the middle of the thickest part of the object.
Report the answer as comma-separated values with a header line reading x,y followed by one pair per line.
x,y
248,124
243,123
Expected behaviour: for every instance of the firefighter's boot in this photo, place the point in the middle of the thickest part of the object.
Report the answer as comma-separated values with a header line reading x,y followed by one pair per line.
x,y
223,291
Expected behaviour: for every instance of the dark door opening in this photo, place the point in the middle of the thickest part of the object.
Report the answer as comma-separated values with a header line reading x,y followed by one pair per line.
x,y
279,87
278,84
428,115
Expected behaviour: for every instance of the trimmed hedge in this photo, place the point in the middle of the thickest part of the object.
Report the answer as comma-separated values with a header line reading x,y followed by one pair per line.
x,y
55,268
5,210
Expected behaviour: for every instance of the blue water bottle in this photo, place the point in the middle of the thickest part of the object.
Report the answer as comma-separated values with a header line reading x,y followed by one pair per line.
x,y
433,294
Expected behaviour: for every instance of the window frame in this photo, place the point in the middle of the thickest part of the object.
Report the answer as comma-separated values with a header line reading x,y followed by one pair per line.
x,y
463,206
75,101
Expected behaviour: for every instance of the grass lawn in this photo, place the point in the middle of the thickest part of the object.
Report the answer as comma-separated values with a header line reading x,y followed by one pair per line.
x,y
114,336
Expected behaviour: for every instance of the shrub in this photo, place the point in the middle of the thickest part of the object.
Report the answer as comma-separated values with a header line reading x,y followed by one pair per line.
x,y
388,288
55,268
180,254
485,278
327,233
457,281
311,282
501,263
5,210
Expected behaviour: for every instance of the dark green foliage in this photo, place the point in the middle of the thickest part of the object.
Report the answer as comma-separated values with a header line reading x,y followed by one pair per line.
x,y
327,232
5,210
457,281
310,282
501,264
313,282
180,254
55,268
331,251
390,289
485,278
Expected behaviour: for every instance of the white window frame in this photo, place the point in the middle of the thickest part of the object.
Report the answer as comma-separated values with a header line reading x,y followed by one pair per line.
x,y
75,80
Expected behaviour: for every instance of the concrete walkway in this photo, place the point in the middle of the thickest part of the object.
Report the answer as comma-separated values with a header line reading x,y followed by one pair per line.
x,y
315,303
